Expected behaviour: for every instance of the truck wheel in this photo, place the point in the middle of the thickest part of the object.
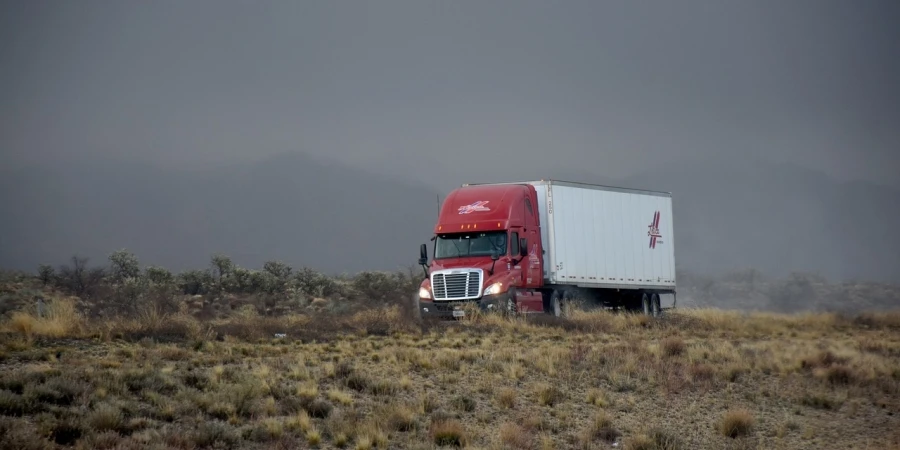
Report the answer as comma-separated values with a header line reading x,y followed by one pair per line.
x,y
645,304
555,306
654,300
417,309
510,309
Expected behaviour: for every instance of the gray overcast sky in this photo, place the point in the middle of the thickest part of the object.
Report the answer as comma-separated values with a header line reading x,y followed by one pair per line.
x,y
612,86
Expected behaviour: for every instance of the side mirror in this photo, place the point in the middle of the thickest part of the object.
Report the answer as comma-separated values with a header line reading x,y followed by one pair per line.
x,y
495,255
523,247
423,255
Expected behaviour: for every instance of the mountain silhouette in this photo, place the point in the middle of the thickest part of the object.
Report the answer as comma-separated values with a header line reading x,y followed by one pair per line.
x,y
729,215
301,210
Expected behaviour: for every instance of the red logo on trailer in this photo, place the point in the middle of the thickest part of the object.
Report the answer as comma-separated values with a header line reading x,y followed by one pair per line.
x,y
654,230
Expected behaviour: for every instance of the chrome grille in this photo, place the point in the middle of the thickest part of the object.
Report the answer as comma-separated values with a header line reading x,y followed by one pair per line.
x,y
456,284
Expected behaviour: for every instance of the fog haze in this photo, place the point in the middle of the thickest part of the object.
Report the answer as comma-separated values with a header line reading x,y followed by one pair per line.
x,y
214,115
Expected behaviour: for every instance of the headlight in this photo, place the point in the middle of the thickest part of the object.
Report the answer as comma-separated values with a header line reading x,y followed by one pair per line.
x,y
423,293
494,289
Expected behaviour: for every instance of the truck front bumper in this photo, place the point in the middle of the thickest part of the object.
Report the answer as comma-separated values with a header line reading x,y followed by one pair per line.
x,y
445,309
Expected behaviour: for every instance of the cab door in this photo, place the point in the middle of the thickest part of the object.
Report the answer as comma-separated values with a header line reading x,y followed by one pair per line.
x,y
517,270
533,261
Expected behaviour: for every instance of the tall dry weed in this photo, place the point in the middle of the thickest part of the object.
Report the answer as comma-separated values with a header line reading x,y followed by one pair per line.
x,y
58,319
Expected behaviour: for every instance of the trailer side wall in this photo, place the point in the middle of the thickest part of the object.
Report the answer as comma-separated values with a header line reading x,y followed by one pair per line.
x,y
597,236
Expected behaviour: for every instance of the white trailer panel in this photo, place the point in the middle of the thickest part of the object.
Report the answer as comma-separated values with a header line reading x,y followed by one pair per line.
x,y
599,236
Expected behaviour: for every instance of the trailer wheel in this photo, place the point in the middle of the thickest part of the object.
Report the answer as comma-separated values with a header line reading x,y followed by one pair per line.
x,y
645,304
654,300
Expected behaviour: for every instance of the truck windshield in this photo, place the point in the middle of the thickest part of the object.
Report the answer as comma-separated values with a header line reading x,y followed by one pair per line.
x,y
458,245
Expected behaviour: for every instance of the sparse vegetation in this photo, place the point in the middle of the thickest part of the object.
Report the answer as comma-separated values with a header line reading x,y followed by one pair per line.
x,y
284,358
736,423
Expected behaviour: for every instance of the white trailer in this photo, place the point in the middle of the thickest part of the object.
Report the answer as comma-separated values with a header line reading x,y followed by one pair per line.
x,y
612,244
608,238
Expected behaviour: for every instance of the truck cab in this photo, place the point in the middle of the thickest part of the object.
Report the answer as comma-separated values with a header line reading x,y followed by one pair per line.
x,y
487,251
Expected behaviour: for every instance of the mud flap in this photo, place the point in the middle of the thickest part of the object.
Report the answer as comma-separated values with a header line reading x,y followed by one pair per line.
x,y
667,300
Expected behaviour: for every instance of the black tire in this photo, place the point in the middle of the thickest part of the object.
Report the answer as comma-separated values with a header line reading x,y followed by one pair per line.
x,y
555,305
417,308
654,305
645,304
510,308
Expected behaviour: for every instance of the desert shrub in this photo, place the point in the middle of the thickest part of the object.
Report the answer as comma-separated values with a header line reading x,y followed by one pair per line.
x,y
449,432
885,319
673,346
130,292
247,281
59,318
600,429
656,439
515,436
822,359
840,375
164,297
278,269
65,432
664,439
820,400
318,408
159,275
79,279
195,282
702,371
237,281
315,284
736,423
46,274
18,299
382,287
123,265
640,442
216,433
57,391
221,266
506,398
598,398
399,417
17,405
464,403
105,417
549,395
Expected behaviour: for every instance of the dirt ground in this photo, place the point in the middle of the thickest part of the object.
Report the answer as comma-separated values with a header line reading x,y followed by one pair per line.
x,y
695,379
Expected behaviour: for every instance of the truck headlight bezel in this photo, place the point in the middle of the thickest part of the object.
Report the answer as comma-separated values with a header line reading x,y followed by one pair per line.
x,y
424,293
494,288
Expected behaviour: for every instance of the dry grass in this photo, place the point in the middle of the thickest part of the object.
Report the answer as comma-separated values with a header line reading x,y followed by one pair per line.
x,y
59,318
736,423
600,429
694,379
449,432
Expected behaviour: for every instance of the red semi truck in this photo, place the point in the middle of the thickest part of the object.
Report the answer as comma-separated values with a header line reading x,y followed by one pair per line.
x,y
532,247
